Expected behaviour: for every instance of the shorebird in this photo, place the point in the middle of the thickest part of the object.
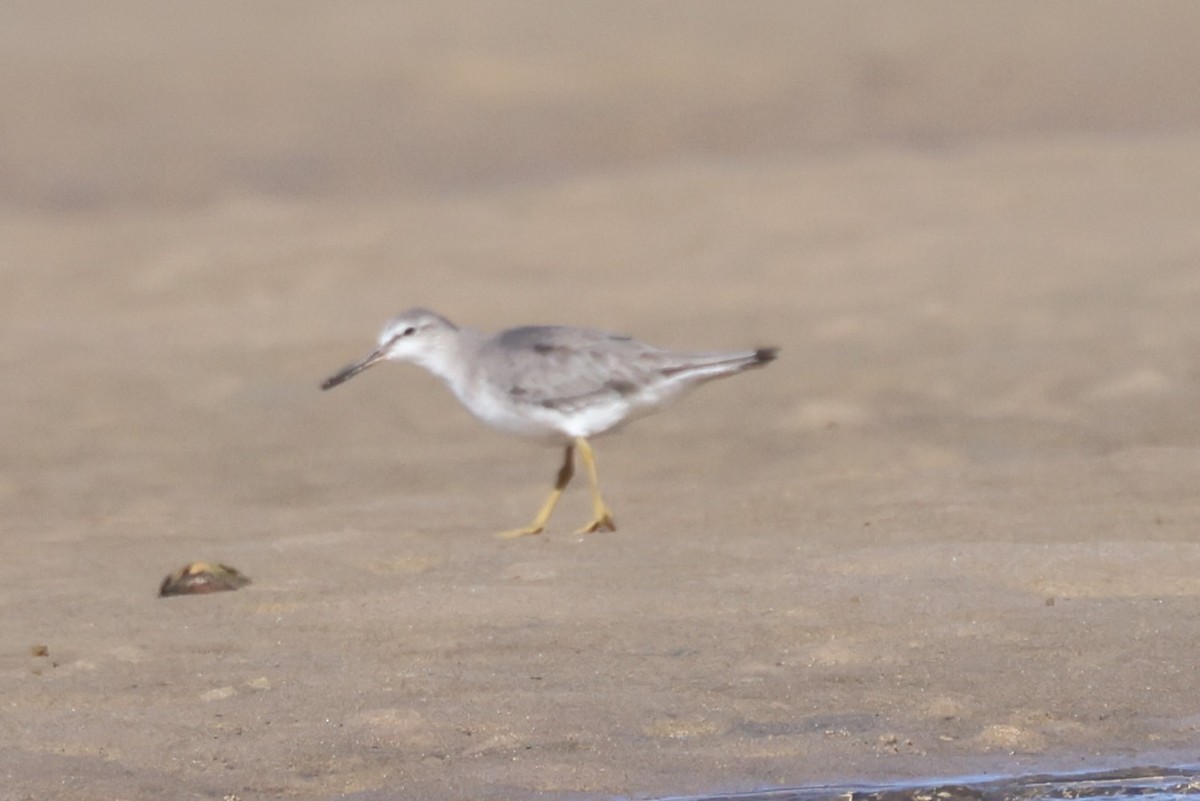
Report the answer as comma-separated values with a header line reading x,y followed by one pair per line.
x,y
558,384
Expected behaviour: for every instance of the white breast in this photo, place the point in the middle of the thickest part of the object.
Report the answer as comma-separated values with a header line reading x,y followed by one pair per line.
x,y
558,425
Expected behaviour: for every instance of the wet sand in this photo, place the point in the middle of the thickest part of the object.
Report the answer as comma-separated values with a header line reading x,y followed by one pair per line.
x,y
1145,783
953,530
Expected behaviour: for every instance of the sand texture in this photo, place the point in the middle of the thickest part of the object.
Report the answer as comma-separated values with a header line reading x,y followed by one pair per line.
x,y
954,529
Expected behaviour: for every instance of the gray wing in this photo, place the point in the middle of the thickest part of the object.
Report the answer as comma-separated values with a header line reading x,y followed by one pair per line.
x,y
563,367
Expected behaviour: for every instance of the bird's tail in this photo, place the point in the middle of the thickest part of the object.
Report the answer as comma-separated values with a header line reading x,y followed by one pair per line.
x,y
706,366
763,356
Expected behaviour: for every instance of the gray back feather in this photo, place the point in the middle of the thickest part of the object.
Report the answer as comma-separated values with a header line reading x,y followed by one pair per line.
x,y
561,367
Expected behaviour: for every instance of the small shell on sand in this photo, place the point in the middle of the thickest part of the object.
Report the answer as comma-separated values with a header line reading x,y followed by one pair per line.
x,y
199,578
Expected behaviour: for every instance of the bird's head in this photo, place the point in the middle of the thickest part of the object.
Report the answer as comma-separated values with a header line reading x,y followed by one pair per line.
x,y
417,335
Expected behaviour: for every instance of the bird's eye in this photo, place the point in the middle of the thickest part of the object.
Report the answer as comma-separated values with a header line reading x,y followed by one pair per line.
x,y
407,332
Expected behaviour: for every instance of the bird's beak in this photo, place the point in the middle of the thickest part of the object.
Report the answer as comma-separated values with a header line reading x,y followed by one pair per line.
x,y
352,370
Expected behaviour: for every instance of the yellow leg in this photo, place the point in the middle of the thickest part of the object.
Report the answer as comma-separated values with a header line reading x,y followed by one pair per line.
x,y
565,474
602,519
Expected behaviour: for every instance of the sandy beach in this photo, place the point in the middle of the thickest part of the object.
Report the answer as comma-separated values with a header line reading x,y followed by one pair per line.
x,y
953,530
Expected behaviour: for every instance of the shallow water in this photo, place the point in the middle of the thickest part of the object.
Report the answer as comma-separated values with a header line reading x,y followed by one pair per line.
x,y
1145,784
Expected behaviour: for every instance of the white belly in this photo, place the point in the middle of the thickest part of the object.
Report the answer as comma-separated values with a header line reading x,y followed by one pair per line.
x,y
556,425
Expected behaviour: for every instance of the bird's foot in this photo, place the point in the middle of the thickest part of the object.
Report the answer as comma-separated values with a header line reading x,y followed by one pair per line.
x,y
526,531
603,522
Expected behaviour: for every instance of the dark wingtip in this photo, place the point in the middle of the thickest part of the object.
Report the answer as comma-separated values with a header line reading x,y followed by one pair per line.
x,y
764,355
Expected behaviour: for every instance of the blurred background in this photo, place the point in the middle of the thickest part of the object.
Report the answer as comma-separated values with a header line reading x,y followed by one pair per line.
x,y
176,104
